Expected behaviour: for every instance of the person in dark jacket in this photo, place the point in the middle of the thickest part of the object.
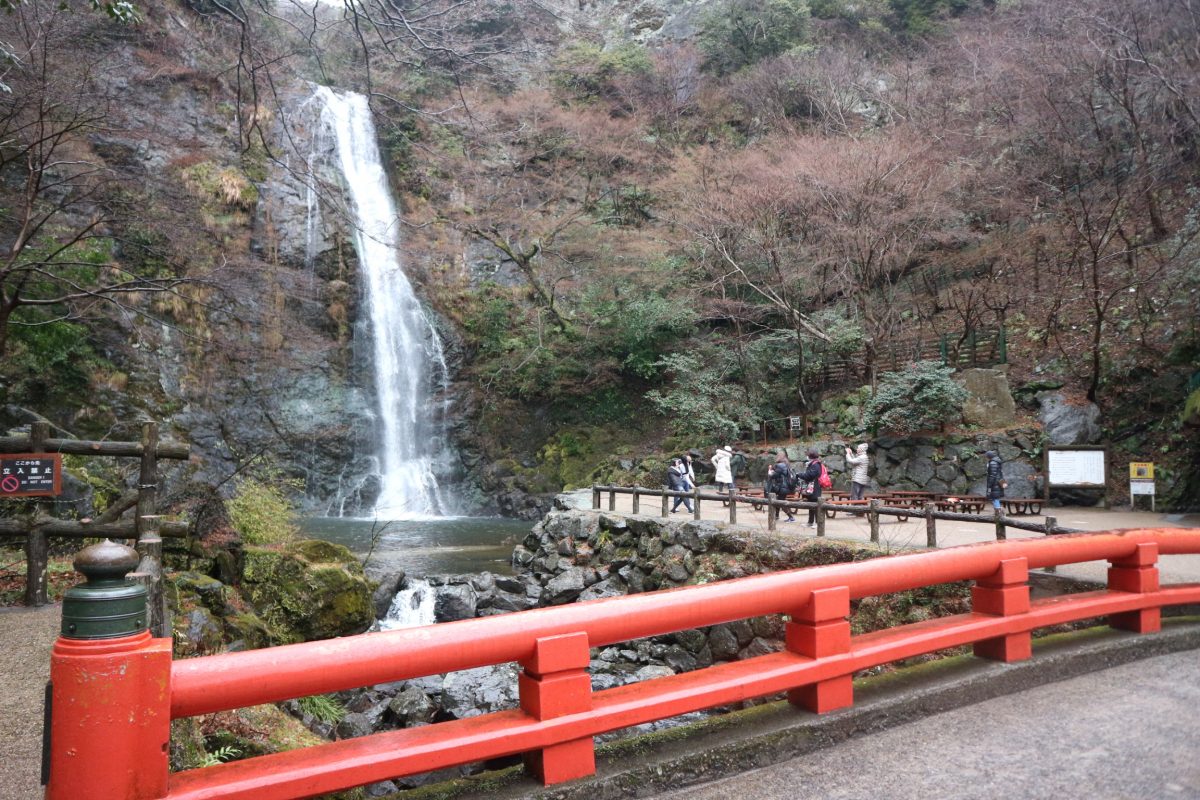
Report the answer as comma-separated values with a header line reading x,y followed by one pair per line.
x,y
810,479
779,481
995,478
677,480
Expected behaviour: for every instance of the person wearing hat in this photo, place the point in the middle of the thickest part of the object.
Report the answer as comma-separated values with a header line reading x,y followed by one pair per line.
x,y
995,478
861,463
720,462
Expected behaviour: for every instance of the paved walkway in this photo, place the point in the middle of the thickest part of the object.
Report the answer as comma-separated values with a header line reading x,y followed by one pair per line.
x,y
26,636
1126,733
896,536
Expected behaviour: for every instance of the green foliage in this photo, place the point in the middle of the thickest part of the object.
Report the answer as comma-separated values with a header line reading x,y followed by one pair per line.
x,y
261,512
587,71
219,756
702,402
638,327
736,33
322,707
922,396
48,362
907,17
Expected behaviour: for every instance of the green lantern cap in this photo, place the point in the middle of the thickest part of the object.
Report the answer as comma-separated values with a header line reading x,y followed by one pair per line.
x,y
107,605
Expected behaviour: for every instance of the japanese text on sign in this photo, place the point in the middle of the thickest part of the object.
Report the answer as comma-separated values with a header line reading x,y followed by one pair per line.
x,y
30,475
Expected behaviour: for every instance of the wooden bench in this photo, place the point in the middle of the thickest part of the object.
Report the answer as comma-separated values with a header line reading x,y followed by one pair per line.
x,y
962,505
1022,505
857,508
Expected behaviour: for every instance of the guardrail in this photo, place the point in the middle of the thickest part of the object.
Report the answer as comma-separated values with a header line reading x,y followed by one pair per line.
x,y
873,511
113,700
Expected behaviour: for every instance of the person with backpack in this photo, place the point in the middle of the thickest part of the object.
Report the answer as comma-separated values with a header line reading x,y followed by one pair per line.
x,y
814,478
781,481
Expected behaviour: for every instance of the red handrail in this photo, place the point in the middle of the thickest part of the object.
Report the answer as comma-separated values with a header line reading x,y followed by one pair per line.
x,y
559,714
235,680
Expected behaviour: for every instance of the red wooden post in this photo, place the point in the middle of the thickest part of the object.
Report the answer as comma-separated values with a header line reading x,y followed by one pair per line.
x,y
1004,593
817,630
555,683
111,718
1137,573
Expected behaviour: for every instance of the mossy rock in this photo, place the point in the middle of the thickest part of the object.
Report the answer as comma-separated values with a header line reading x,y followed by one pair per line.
x,y
1191,410
308,590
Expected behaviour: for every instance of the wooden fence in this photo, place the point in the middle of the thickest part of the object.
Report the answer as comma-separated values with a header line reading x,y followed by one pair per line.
x,y
973,349
873,511
146,527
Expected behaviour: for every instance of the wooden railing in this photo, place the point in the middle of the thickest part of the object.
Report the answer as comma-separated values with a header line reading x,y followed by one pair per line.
x,y
113,700
873,511
146,526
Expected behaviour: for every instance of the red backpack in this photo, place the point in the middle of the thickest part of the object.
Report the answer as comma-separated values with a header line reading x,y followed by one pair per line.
x,y
825,481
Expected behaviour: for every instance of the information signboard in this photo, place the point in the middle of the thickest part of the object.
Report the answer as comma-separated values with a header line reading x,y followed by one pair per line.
x,y
31,475
1075,467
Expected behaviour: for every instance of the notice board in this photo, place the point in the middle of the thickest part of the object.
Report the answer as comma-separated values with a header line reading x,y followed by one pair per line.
x,y
1075,467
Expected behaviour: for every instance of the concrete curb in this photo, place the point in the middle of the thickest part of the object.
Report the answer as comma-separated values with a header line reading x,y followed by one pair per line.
x,y
775,732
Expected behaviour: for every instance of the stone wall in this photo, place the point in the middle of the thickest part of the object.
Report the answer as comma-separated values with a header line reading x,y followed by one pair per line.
x,y
943,464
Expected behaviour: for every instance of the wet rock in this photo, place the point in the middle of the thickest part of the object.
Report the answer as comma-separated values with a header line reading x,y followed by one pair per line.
x,y
565,587
472,692
455,602
411,707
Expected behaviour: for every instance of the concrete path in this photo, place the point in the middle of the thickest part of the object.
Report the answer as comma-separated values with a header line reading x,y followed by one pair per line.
x,y
1126,733
898,536
26,636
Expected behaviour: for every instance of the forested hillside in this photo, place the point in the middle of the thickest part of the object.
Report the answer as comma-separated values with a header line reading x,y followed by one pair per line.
x,y
640,225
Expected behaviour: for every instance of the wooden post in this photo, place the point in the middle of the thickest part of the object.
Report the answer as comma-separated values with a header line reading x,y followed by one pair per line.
x,y
37,546
930,526
732,508
873,519
1051,524
820,517
636,496
149,543
772,511
596,497
665,499
612,498
1001,534
695,502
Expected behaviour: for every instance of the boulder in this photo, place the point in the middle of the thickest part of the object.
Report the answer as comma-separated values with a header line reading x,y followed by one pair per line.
x,y
457,601
565,587
308,590
412,707
990,402
472,692
1066,423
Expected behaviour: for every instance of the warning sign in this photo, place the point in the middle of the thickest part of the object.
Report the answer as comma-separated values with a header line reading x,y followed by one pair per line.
x,y
31,475
1141,470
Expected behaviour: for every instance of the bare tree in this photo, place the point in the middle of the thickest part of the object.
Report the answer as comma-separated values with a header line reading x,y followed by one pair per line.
x,y
57,260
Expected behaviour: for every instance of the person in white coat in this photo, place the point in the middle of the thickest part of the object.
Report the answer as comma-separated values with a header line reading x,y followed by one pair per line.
x,y
724,476
858,479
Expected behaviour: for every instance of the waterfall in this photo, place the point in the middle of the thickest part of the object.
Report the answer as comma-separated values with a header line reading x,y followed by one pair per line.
x,y
412,606
406,351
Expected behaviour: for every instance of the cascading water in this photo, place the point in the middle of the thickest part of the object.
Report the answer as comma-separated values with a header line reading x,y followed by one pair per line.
x,y
407,352
412,607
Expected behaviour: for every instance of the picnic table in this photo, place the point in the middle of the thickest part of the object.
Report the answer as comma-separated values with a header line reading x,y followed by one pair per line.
x,y
969,504
1022,505
856,507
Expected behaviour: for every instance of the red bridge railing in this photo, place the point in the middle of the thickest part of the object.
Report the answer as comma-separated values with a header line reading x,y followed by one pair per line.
x,y
113,700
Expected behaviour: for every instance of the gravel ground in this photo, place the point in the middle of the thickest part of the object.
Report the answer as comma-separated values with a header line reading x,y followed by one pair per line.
x,y
26,636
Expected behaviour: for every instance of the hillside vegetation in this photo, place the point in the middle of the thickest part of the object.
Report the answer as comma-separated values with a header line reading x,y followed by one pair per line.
x,y
632,222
